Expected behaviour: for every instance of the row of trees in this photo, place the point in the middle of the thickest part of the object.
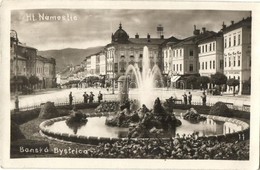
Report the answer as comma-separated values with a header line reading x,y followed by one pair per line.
x,y
25,84
215,79
23,80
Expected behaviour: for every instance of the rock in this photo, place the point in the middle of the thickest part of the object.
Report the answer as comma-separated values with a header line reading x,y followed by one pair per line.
x,y
76,120
48,111
220,109
193,116
141,121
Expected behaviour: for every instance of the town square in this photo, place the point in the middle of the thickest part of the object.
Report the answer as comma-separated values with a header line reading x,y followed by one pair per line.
x,y
130,84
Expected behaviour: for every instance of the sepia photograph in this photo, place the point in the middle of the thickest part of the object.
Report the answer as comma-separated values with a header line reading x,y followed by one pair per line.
x,y
131,85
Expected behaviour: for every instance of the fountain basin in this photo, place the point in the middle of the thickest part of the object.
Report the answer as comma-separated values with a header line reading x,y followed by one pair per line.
x,y
57,128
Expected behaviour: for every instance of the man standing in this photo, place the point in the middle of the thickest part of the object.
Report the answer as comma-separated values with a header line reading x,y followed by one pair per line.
x,y
185,98
189,98
85,96
100,97
91,97
204,99
70,98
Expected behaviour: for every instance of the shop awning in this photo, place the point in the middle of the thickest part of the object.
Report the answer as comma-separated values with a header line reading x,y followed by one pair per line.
x,y
175,78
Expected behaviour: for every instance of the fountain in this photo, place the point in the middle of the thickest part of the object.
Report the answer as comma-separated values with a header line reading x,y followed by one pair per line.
x,y
145,78
153,120
152,117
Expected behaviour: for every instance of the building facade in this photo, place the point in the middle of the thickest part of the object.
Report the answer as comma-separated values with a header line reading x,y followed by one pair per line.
x,y
124,51
102,64
181,58
237,52
210,55
202,54
25,63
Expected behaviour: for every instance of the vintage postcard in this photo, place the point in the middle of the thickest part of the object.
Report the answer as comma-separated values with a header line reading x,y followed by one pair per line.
x,y
120,84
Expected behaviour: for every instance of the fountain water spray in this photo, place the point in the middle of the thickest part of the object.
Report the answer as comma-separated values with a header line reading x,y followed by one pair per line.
x,y
146,79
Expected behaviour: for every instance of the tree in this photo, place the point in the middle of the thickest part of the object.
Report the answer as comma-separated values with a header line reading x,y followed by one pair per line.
x,y
233,82
192,80
204,80
33,80
218,79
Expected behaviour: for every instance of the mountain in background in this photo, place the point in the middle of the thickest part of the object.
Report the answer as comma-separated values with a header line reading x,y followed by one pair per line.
x,y
69,56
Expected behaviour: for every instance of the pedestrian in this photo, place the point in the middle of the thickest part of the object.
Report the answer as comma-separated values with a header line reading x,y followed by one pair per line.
x,y
70,98
189,98
185,99
85,96
204,99
100,97
91,97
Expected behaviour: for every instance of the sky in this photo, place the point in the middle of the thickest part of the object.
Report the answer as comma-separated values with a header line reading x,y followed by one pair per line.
x,y
83,28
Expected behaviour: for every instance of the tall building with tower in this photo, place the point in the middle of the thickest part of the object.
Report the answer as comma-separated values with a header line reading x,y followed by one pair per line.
x,y
124,51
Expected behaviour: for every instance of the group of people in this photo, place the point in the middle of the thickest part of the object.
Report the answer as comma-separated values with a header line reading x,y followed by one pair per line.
x,y
87,98
189,147
188,98
90,98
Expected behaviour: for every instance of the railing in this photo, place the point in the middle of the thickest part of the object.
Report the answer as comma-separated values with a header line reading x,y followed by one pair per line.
x,y
60,102
177,101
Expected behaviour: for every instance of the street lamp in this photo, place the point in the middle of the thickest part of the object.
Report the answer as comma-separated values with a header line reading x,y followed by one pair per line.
x,y
113,80
16,66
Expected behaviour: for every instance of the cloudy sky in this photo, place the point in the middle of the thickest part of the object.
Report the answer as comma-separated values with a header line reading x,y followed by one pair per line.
x,y
94,27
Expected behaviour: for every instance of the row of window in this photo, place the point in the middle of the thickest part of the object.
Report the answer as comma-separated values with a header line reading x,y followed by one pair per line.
x,y
20,68
236,61
178,53
39,70
132,56
204,65
232,41
177,67
207,47
234,77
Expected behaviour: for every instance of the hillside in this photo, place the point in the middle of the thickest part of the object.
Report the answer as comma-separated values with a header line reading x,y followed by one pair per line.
x,y
69,56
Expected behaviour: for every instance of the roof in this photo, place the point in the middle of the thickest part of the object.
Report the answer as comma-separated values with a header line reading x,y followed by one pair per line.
x,y
210,38
155,41
195,38
120,35
25,46
242,23
40,57
172,40
97,53
50,60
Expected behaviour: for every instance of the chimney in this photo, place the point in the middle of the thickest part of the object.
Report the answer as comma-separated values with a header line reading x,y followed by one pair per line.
x,y
136,35
203,29
162,36
232,22
196,31
223,25
148,37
